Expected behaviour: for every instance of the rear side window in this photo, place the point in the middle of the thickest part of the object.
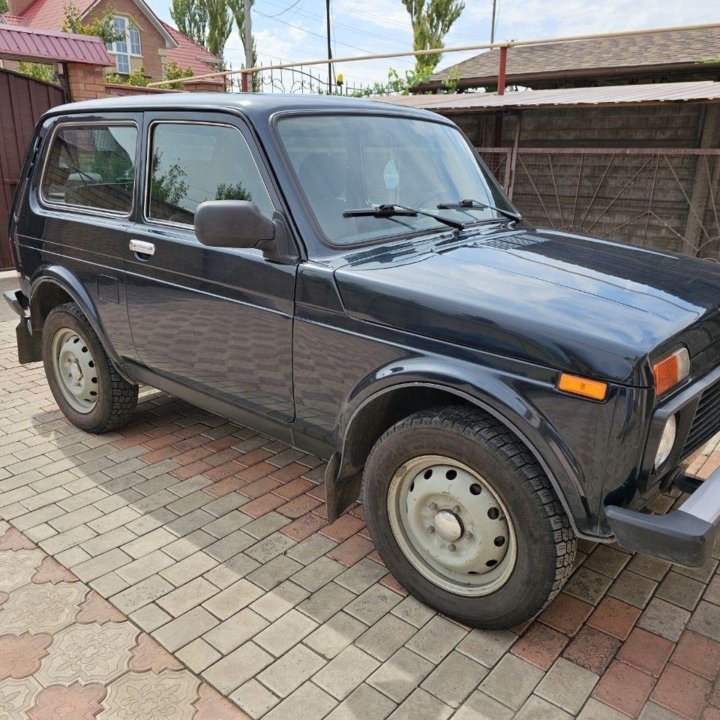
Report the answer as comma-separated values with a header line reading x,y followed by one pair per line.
x,y
191,163
92,166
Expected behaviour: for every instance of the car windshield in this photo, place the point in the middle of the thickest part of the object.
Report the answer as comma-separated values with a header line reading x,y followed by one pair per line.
x,y
354,162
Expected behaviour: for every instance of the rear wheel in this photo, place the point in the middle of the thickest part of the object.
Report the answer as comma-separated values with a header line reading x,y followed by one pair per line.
x,y
465,519
83,380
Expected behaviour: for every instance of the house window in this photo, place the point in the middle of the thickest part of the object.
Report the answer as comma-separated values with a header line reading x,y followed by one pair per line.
x,y
128,46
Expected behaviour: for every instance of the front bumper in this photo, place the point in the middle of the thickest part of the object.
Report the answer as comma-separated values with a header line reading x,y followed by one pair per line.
x,y
685,536
28,344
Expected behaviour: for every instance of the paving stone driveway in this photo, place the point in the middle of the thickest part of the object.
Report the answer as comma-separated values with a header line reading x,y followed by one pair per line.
x,y
209,540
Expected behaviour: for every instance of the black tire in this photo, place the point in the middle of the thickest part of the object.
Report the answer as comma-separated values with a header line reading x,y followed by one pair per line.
x,y
544,537
116,398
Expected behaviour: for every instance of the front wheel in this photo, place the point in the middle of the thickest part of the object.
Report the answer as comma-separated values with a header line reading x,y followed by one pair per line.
x,y
82,378
465,519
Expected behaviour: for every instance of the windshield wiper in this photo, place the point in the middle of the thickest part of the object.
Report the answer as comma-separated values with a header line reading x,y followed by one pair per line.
x,y
390,210
469,204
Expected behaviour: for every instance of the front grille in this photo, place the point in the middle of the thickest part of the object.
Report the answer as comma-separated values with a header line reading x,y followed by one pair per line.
x,y
706,422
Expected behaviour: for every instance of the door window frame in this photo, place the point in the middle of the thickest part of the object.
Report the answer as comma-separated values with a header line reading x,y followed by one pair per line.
x,y
147,184
81,123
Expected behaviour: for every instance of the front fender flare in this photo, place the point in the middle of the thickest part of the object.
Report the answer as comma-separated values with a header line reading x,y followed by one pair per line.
x,y
489,391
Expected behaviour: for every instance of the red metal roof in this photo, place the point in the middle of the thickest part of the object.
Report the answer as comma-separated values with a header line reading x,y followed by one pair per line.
x,y
31,44
188,54
706,90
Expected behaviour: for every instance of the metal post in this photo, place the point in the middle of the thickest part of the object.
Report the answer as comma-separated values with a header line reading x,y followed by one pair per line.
x,y
329,46
247,42
502,70
492,26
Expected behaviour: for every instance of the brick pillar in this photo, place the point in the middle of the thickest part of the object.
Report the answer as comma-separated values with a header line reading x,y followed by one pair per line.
x,y
85,82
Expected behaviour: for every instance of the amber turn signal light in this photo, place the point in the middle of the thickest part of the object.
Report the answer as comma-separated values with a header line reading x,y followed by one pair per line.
x,y
671,370
584,387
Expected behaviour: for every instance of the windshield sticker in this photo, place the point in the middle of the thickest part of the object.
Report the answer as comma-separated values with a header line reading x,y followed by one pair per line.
x,y
391,176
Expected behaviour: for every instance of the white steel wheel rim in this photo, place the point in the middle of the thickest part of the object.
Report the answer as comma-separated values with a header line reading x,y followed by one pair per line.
x,y
451,525
74,370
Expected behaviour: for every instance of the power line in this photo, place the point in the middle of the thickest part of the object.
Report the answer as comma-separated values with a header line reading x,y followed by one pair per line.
x,y
282,12
310,32
355,30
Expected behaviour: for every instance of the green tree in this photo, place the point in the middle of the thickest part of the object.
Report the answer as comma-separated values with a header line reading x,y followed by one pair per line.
x,y
238,10
431,21
232,192
191,19
3,6
103,27
220,23
173,71
39,71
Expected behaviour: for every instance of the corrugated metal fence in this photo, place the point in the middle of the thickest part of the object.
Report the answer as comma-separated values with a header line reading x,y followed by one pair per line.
x,y
22,101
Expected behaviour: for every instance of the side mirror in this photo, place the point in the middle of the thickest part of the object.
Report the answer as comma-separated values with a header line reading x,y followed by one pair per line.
x,y
232,224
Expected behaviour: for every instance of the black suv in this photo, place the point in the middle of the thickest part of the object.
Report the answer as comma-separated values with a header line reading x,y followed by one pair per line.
x,y
349,278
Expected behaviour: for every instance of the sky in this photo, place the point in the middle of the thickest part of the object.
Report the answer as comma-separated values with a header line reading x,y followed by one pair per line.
x,y
294,30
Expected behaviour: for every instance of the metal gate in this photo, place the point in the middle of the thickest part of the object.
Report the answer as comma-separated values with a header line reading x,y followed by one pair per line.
x,y
22,101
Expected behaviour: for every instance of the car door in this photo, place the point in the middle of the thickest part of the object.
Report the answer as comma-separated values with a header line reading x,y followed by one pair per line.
x,y
86,203
215,319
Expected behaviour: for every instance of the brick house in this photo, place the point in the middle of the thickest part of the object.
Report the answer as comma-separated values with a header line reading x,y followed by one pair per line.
x,y
149,44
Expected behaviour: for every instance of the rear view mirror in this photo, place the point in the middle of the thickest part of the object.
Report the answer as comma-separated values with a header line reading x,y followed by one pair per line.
x,y
232,224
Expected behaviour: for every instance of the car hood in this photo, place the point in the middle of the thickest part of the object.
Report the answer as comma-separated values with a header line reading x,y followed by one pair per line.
x,y
564,301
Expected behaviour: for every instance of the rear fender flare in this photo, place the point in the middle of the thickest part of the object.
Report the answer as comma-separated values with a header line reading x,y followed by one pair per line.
x,y
67,281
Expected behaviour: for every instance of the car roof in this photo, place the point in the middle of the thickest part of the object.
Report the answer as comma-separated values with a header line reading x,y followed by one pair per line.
x,y
256,106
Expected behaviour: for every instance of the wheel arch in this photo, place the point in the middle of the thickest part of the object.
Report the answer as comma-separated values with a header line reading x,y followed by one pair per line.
x,y
379,410
53,286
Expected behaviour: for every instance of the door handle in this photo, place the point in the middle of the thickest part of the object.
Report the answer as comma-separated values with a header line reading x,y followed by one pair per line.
x,y
142,248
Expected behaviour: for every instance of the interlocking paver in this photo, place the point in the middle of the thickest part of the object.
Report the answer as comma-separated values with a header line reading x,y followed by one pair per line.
x,y
454,679
373,604
361,576
436,639
480,706
275,603
567,685
291,670
289,630
511,681
538,709
663,618
242,556
232,599
364,702
386,636
308,702
400,675
335,635
189,568
142,593
345,672
236,630
187,596
254,698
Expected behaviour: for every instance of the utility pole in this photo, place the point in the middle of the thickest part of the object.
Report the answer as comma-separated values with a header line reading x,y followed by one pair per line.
x,y
247,44
492,26
329,46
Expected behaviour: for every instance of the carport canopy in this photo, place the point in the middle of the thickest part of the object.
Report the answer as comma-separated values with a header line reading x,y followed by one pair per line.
x,y
21,43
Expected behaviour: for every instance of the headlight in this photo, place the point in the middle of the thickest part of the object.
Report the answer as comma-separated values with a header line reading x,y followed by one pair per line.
x,y
666,441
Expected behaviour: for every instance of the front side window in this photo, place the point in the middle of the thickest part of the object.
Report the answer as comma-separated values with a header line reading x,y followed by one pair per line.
x,y
346,162
92,166
128,45
191,163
